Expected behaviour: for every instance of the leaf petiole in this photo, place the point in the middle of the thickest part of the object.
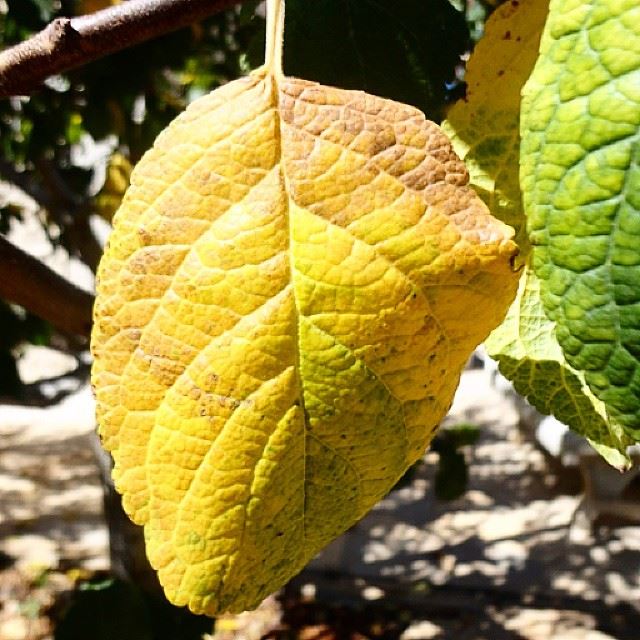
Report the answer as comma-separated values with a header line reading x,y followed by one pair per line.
x,y
275,37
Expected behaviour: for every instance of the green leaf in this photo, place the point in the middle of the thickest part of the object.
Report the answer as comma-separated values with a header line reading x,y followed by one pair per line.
x,y
580,176
529,355
407,50
485,133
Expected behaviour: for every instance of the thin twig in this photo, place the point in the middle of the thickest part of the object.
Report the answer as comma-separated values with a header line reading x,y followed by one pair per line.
x,y
26,281
67,43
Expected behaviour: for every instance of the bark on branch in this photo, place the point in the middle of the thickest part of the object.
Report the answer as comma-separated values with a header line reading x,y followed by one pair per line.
x,y
71,42
26,281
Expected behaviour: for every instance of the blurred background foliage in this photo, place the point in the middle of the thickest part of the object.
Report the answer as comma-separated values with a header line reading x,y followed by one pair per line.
x,y
71,145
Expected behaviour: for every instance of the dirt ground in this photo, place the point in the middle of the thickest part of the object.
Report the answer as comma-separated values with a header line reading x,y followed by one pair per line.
x,y
514,558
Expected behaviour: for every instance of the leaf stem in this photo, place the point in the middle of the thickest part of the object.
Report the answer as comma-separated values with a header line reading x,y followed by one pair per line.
x,y
275,37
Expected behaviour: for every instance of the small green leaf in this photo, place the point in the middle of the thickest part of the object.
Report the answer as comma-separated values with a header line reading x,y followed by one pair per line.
x,y
74,128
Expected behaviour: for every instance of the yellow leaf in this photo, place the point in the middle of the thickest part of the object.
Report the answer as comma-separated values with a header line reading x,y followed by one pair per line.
x,y
115,185
484,127
296,278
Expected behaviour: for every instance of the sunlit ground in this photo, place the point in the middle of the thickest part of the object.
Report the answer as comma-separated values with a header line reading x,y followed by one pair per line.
x,y
519,555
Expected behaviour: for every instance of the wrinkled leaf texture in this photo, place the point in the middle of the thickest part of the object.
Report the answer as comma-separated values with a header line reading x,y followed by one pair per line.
x,y
484,130
295,279
580,175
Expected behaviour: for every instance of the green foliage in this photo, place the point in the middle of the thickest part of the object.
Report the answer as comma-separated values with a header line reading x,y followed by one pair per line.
x,y
132,94
529,355
580,177
567,222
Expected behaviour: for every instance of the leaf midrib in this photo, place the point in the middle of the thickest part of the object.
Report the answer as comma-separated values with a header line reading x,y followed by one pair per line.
x,y
296,323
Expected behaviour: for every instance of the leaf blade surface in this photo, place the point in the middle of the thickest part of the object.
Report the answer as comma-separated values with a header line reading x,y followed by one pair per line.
x,y
278,329
580,177
484,130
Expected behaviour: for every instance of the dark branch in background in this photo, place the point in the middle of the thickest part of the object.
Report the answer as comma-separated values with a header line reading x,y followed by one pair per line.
x,y
72,42
26,281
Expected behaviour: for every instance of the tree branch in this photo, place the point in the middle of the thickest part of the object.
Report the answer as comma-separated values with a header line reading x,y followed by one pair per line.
x,y
67,43
26,281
